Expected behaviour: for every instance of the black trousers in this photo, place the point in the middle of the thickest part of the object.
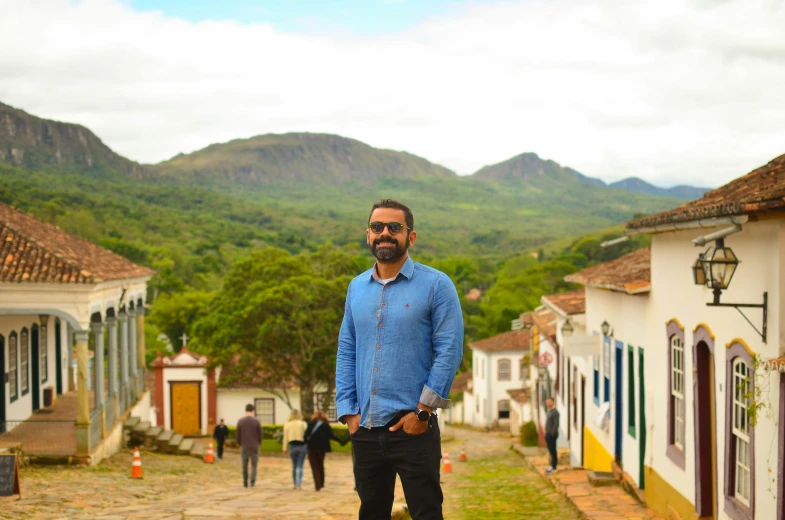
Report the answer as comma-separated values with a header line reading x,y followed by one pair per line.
x,y
380,455
316,461
550,440
219,448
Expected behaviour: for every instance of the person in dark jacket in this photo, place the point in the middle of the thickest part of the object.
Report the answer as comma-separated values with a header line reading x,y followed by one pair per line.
x,y
551,432
317,439
220,434
249,437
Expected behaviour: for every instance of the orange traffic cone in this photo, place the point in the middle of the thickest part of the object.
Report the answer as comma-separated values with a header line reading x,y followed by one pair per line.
x,y
136,465
208,457
462,458
447,467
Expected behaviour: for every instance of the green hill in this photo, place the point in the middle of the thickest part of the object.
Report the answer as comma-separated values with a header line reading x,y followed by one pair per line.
x,y
297,157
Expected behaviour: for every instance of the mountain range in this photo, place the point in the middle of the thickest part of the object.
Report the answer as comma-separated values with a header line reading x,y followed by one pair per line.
x,y
33,143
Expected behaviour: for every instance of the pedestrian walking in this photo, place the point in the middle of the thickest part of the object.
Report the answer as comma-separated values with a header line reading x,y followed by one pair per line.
x,y
400,343
220,434
317,438
249,438
294,444
551,432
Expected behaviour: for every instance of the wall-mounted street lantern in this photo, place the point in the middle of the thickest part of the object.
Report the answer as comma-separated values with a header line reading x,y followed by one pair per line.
x,y
605,328
567,329
698,275
718,264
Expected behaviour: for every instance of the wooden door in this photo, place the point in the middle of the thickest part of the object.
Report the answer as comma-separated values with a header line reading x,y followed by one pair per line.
x,y
186,407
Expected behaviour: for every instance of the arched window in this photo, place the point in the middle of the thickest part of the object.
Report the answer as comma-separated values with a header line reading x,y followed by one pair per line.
x,y
504,370
43,345
24,361
677,421
740,431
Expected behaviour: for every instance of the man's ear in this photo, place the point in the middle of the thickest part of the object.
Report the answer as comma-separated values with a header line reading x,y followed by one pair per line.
x,y
412,237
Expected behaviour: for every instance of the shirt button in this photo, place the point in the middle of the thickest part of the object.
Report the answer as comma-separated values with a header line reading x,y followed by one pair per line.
x,y
380,324
374,392
375,369
378,347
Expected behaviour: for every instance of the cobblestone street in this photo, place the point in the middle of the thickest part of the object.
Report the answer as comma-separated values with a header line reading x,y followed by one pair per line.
x,y
495,483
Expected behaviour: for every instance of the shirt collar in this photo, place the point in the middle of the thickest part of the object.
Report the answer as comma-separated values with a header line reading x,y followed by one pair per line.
x,y
407,270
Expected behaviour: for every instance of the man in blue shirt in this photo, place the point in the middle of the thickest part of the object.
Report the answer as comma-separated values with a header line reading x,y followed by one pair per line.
x,y
401,342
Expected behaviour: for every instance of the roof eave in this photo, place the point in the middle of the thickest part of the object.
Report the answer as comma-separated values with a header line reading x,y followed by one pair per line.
x,y
666,227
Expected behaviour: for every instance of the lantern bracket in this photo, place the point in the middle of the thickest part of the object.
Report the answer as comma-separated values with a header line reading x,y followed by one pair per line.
x,y
738,306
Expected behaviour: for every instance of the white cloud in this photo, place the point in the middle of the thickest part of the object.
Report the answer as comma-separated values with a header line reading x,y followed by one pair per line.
x,y
674,92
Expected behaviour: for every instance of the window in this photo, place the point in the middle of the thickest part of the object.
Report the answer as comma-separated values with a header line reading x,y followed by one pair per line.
x,y
606,368
504,369
13,368
504,409
596,361
24,362
677,392
741,431
43,351
482,369
631,390
265,410
323,401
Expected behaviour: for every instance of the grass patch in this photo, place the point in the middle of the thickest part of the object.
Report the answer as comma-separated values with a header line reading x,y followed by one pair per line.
x,y
503,487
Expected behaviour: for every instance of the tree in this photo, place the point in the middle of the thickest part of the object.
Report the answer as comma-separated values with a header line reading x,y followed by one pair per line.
x,y
280,314
176,314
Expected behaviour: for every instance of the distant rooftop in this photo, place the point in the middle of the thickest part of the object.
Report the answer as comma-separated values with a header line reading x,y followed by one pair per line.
x,y
630,274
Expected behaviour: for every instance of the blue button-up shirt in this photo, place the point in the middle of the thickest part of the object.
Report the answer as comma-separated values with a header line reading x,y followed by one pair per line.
x,y
400,343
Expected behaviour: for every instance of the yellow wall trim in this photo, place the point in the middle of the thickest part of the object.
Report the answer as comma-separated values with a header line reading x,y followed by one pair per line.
x,y
741,342
676,321
664,498
595,456
704,327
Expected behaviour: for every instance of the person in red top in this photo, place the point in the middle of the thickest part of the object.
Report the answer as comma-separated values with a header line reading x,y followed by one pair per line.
x,y
249,438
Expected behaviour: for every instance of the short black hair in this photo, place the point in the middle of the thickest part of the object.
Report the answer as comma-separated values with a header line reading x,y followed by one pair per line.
x,y
249,408
390,203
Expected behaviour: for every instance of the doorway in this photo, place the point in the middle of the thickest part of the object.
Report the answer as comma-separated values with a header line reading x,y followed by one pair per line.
x,y
642,420
36,360
186,406
618,419
583,415
704,430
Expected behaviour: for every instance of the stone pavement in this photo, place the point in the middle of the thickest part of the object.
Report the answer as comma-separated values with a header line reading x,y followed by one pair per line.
x,y
181,487
594,503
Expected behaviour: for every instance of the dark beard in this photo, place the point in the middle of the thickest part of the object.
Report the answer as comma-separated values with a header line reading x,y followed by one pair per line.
x,y
389,254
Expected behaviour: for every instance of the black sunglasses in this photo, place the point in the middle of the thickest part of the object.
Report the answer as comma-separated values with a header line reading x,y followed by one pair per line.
x,y
393,227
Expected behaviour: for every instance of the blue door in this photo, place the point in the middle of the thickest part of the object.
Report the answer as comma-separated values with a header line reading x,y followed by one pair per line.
x,y
619,398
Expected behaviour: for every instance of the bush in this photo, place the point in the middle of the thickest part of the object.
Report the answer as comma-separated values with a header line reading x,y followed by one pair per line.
x,y
529,436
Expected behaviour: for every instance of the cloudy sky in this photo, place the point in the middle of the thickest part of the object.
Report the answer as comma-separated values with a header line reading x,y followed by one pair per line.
x,y
689,91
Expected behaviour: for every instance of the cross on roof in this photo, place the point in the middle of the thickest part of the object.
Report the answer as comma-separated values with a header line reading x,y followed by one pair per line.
x,y
184,337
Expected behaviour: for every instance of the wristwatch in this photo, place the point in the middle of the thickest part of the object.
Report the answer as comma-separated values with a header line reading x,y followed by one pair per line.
x,y
423,415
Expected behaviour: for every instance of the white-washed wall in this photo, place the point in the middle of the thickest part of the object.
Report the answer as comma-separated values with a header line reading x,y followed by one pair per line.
x,y
760,249
231,403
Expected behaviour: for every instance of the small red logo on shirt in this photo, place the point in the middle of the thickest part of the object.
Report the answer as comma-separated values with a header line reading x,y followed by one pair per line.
x,y
407,305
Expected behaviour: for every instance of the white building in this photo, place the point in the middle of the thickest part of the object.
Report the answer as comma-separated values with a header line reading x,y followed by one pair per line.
x,y
572,371
57,292
499,364
693,356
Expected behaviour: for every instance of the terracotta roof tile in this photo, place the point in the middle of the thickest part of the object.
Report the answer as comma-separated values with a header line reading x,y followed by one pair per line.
x,y
520,395
573,302
507,341
461,382
630,273
760,190
545,321
34,251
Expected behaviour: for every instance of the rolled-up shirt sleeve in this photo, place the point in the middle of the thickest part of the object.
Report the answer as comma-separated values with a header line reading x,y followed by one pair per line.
x,y
346,364
447,339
